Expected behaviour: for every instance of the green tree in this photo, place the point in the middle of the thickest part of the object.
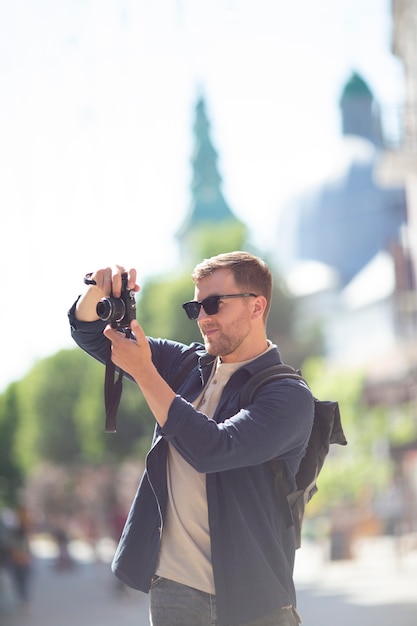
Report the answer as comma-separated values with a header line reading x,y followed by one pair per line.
x,y
160,312
11,477
62,414
88,409
208,239
60,403
47,395
363,467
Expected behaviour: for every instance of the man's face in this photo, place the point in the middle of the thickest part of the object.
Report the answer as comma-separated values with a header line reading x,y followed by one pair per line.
x,y
227,332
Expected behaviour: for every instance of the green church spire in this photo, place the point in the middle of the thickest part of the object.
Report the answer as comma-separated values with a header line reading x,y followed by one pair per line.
x,y
208,205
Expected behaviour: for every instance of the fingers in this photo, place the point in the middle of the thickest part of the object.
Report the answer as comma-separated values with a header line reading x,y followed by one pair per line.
x,y
137,330
101,280
109,280
129,354
116,336
117,280
131,279
111,333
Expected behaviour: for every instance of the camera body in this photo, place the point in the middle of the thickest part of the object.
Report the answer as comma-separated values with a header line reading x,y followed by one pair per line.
x,y
118,312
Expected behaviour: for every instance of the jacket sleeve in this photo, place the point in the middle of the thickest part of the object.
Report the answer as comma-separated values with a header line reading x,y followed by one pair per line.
x,y
276,425
89,335
173,360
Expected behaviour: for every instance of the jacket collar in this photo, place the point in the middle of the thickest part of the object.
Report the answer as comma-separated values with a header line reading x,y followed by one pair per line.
x,y
267,358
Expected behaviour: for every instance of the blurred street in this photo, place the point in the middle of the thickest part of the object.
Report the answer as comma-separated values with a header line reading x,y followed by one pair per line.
x,y
376,588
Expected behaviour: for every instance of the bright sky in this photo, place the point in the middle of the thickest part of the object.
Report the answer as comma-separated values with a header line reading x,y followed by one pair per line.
x,y
97,104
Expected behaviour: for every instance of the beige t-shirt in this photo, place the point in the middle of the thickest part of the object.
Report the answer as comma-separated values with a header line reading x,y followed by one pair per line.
x,y
185,554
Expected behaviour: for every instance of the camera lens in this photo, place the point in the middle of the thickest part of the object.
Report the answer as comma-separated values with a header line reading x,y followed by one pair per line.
x,y
111,309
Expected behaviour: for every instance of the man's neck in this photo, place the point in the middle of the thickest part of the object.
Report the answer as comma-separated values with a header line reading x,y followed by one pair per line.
x,y
243,354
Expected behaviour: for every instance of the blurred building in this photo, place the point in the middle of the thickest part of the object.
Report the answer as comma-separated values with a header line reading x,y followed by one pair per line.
x,y
398,165
350,218
340,239
351,249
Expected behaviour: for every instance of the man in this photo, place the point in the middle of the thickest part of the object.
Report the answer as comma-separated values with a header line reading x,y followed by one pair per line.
x,y
206,534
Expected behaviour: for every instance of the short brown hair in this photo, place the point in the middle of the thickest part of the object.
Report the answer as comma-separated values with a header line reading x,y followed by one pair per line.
x,y
249,272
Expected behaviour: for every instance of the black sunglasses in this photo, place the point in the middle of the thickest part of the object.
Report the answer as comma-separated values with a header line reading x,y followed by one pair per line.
x,y
210,304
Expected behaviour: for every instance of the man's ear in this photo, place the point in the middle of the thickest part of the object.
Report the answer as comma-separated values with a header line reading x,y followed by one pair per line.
x,y
259,306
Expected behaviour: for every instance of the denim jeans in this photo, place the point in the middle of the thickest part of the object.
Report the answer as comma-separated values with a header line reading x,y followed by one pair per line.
x,y
174,604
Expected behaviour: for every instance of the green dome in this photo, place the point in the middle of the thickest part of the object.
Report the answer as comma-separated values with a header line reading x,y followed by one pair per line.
x,y
356,87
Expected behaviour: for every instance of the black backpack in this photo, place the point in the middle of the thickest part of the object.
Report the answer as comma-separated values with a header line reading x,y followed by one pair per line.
x,y
327,429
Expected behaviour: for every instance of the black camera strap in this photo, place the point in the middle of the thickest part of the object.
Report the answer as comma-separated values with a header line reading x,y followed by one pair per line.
x,y
112,393
112,385
112,390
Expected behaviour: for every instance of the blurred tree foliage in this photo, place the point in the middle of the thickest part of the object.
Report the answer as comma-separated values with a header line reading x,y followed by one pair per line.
x,y
160,312
60,414
11,474
207,239
360,471
55,414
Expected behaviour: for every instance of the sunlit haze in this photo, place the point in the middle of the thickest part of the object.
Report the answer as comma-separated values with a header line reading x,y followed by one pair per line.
x,y
97,105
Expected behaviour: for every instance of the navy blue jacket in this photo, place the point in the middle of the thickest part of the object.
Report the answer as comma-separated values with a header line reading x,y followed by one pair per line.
x,y
253,550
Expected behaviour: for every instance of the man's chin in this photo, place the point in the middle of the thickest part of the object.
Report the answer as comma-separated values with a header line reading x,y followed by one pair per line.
x,y
210,349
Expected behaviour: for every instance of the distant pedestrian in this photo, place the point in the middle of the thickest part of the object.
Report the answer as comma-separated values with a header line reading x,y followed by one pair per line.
x,y
20,562
64,560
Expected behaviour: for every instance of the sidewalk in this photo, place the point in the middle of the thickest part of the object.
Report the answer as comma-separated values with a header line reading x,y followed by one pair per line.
x,y
377,588
379,573
82,596
85,594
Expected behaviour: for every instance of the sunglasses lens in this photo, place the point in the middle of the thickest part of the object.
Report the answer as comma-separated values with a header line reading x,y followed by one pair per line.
x,y
211,305
192,309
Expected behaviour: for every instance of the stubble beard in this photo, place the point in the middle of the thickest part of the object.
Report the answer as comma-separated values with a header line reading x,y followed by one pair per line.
x,y
222,347
224,344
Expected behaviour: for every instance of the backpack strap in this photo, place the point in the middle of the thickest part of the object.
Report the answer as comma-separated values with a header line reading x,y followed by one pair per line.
x,y
281,485
326,429
258,380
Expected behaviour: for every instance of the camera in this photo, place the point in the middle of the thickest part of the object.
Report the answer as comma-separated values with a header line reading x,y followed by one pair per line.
x,y
118,312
